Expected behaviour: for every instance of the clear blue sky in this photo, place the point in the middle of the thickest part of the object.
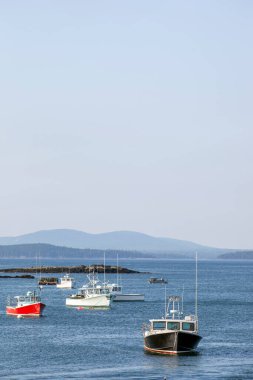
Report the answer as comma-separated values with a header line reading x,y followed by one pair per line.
x,y
128,115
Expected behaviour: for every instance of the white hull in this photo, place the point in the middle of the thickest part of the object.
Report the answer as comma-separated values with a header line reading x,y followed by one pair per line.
x,y
128,297
96,301
65,286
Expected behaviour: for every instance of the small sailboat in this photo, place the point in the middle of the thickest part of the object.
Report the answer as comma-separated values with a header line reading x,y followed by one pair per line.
x,y
27,305
175,333
66,282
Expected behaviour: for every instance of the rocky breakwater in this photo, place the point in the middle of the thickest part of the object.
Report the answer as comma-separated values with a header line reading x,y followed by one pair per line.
x,y
73,269
22,276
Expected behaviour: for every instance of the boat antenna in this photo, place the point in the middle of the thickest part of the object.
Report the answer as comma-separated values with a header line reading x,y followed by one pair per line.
x,y
36,264
196,285
117,269
104,269
165,301
183,300
40,264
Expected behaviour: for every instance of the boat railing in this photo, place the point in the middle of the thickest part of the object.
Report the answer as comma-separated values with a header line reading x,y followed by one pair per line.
x,y
145,327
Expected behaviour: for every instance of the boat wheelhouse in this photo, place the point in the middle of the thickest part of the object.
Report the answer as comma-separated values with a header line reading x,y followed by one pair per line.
x,y
66,282
27,305
174,334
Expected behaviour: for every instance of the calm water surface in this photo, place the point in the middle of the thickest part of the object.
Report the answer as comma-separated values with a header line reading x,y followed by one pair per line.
x,y
92,344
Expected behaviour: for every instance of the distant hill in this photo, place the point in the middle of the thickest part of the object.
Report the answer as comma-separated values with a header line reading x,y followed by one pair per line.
x,y
238,255
41,251
118,240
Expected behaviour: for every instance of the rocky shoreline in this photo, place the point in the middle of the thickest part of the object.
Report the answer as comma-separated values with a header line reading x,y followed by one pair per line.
x,y
72,269
22,276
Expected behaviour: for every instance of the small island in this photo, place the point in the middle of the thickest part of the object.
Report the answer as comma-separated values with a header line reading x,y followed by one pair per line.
x,y
72,269
22,276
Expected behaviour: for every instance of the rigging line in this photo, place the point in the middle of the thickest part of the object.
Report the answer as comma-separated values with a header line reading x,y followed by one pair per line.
x,y
196,286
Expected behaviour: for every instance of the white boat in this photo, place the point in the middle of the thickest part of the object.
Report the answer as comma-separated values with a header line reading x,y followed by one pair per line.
x,y
90,296
66,282
116,292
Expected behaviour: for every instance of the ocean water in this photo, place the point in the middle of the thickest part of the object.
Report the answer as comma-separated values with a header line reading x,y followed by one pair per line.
x,y
94,344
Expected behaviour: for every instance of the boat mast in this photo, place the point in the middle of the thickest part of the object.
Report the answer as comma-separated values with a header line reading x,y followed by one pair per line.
x,y
117,269
182,300
104,269
165,299
196,286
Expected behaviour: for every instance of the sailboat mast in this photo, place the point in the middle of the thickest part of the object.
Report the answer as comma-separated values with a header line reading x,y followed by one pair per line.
x,y
196,286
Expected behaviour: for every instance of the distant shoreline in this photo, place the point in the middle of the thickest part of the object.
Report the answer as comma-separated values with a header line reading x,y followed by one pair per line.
x,y
244,255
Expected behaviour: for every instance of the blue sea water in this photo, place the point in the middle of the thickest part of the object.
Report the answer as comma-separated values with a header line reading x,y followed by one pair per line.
x,y
94,344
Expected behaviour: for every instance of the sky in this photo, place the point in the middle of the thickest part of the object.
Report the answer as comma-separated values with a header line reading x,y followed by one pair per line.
x,y
128,115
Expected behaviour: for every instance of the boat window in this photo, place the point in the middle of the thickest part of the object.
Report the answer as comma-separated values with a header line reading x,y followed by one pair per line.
x,y
159,325
173,325
116,289
188,326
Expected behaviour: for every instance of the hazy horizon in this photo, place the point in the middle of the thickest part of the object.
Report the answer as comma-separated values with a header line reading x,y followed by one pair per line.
x,y
128,116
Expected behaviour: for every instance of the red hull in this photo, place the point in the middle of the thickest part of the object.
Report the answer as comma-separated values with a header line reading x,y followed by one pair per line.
x,y
34,309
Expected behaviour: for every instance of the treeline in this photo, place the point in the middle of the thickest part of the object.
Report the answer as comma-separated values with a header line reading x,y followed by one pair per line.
x,y
39,251
238,255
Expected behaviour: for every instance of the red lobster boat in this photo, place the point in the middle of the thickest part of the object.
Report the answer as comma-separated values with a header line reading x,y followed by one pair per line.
x,y
28,305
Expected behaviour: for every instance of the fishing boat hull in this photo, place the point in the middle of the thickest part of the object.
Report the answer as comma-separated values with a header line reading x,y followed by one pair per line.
x,y
171,343
98,301
65,286
34,309
128,297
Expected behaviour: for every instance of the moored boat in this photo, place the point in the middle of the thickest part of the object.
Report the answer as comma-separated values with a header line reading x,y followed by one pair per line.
x,y
155,280
90,296
66,282
116,290
118,296
27,305
175,333
48,281
172,334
